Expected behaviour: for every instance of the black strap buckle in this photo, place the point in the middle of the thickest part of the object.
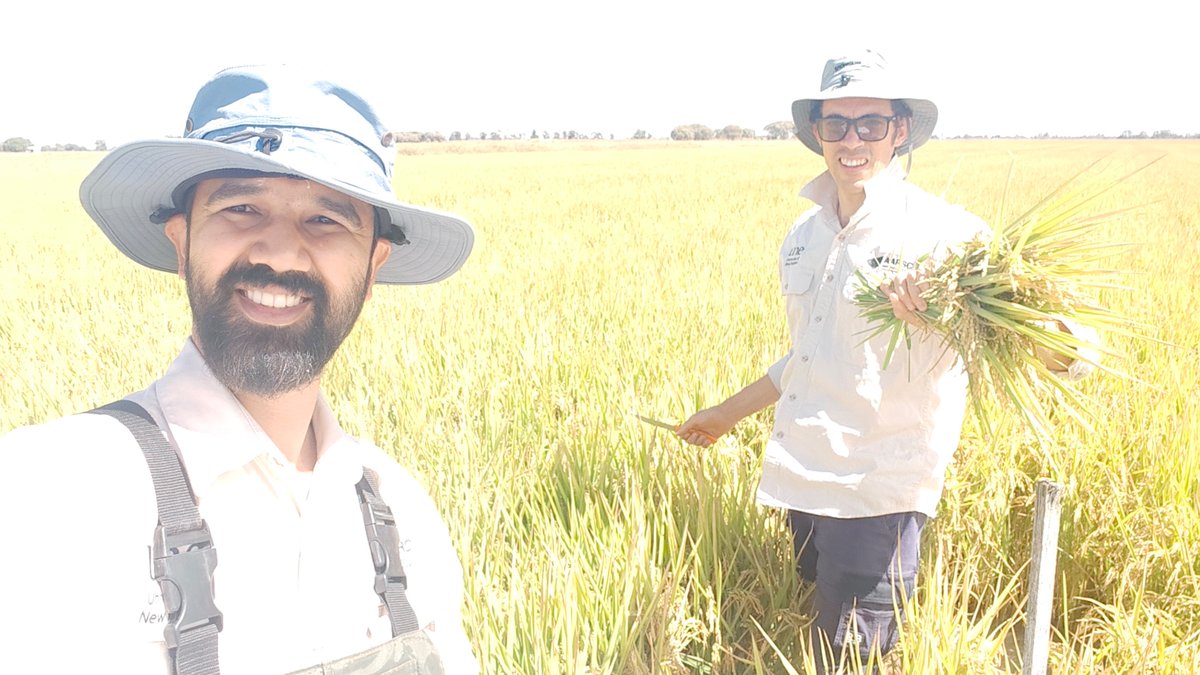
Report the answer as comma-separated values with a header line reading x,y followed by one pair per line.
x,y
183,565
384,540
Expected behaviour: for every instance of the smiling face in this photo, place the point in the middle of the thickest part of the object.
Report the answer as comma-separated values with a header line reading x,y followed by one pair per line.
x,y
853,161
277,271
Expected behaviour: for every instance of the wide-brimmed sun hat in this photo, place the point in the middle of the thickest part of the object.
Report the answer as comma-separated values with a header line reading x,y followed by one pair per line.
x,y
272,120
865,74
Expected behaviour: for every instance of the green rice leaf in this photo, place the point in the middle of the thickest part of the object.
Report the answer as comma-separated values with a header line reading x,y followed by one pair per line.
x,y
997,299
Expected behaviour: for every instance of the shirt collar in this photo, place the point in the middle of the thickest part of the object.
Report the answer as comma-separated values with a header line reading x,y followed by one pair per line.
x,y
215,434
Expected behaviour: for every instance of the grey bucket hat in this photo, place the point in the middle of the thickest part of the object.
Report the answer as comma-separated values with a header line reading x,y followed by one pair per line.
x,y
865,75
273,120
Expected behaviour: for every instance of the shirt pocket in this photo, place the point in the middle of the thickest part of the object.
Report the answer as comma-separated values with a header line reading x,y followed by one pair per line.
x,y
797,280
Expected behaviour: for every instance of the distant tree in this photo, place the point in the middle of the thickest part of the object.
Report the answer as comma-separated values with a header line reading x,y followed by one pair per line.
x,y
534,134
101,146
455,136
640,135
16,144
556,136
733,132
691,132
1164,133
432,137
781,130
494,136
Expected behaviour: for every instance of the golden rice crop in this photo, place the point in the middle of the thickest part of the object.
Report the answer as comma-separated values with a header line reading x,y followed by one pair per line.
x,y
643,276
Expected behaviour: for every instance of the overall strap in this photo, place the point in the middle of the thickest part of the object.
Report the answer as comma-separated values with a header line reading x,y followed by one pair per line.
x,y
384,539
183,557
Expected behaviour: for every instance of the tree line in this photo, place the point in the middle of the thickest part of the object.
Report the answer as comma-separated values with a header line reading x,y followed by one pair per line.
x,y
686,132
781,130
21,144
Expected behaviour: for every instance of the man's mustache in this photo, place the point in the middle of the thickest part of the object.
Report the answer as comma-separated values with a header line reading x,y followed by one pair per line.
x,y
262,275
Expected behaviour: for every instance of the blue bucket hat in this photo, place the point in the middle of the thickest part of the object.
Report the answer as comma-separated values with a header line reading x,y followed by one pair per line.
x,y
865,75
271,120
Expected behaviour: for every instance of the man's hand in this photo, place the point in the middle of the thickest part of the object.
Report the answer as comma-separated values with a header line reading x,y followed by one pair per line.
x,y
1054,362
705,427
904,292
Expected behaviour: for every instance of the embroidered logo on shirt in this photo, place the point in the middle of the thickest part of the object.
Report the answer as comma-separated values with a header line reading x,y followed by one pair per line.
x,y
792,256
151,615
890,263
153,612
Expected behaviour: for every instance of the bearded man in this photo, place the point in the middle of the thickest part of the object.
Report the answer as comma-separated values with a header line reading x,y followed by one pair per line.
x,y
277,209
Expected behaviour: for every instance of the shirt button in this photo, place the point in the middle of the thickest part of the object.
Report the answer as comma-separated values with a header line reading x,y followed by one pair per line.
x,y
804,359
828,277
817,320
801,249
791,397
778,434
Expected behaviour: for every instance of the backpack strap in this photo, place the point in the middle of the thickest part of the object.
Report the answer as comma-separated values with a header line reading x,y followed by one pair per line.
x,y
384,539
183,557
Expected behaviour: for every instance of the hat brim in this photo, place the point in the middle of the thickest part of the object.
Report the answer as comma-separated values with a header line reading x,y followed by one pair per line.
x,y
920,129
137,179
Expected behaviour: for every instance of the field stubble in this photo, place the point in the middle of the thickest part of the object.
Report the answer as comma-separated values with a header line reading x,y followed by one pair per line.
x,y
614,279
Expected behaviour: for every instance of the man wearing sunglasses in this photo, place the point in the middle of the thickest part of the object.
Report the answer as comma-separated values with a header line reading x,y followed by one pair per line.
x,y
858,452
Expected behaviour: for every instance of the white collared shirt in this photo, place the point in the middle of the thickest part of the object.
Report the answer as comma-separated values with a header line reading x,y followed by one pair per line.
x,y
851,438
294,577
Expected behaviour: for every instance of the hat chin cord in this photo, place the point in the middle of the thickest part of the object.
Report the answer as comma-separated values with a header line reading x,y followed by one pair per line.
x,y
908,162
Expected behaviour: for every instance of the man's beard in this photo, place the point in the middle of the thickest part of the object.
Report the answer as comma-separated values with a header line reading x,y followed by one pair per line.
x,y
264,360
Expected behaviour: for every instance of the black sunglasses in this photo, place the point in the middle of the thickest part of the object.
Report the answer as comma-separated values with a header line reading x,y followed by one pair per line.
x,y
868,127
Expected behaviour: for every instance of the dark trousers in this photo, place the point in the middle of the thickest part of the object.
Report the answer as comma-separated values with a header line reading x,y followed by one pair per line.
x,y
861,567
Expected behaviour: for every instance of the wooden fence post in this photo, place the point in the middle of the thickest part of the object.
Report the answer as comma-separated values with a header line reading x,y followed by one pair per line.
x,y
1047,514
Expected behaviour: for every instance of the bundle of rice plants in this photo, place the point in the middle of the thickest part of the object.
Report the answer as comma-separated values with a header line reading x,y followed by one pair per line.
x,y
1003,297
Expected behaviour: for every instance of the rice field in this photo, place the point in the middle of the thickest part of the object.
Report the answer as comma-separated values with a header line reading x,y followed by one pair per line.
x,y
622,278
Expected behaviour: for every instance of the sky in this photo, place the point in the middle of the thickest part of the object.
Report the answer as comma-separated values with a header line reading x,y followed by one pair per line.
x,y
127,69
